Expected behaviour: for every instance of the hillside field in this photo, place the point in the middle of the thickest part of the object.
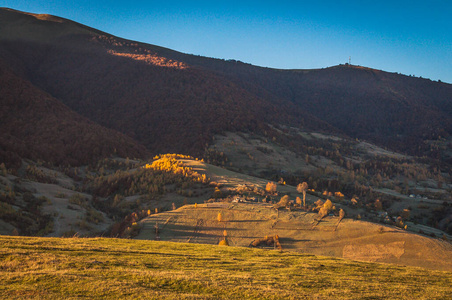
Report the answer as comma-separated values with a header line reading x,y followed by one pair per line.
x,y
57,268
297,231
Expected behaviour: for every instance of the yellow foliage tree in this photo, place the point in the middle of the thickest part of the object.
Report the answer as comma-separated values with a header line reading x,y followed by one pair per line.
x,y
298,201
170,163
328,205
270,187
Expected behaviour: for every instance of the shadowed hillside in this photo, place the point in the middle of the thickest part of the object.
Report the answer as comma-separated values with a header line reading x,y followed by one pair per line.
x,y
165,104
174,102
37,126
390,109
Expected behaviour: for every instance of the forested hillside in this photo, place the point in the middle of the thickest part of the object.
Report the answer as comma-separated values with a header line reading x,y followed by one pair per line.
x,y
174,102
37,126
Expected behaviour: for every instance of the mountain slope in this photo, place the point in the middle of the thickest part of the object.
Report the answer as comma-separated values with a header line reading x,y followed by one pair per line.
x,y
35,125
394,110
174,102
166,105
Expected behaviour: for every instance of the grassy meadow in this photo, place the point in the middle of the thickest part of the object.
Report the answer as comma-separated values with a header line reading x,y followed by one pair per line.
x,y
58,268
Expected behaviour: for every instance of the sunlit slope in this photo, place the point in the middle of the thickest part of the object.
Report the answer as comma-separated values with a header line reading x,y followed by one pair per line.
x,y
16,25
352,239
52,268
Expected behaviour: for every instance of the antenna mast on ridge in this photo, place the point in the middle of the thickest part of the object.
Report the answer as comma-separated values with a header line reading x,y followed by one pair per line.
x,y
349,60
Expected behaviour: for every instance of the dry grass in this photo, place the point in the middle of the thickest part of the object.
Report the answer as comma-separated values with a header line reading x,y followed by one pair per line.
x,y
351,239
55,268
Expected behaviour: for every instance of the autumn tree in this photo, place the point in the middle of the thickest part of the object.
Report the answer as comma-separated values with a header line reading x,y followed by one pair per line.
x,y
328,205
318,204
341,214
270,187
323,212
224,241
283,202
301,188
298,201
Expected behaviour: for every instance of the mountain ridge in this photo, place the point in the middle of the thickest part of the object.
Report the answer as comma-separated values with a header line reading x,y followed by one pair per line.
x,y
175,102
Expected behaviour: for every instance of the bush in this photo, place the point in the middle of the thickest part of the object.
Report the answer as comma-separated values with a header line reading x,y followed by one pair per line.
x,y
223,243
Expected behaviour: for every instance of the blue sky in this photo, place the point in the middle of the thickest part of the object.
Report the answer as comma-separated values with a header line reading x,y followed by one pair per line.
x,y
410,37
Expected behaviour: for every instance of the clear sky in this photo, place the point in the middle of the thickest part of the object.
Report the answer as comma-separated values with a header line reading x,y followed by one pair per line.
x,y
410,37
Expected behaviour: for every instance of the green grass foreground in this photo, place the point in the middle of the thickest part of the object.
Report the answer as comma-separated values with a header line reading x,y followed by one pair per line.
x,y
58,268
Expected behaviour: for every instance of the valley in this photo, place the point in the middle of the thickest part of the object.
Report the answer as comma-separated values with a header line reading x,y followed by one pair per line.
x,y
186,210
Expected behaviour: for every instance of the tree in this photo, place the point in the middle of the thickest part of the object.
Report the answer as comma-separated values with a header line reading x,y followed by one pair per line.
x,y
323,212
301,188
283,202
328,205
270,187
219,217
224,241
298,201
341,214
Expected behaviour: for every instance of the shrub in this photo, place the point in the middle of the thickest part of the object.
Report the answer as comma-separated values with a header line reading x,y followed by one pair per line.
x,y
223,243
